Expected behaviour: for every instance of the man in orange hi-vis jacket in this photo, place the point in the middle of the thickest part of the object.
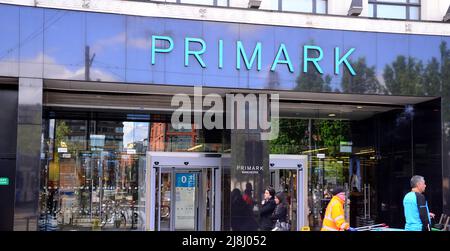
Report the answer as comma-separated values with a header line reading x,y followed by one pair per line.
x,y
334,219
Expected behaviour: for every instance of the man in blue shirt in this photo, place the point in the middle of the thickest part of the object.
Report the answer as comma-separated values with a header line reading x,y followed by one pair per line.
x,y
417,213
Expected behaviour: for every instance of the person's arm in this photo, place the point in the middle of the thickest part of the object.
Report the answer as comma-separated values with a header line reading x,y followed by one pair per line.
x,y
423,211
276,214
283,215
337,214
267,208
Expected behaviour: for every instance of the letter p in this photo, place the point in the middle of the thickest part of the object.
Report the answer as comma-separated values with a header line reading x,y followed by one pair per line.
x,y
160,50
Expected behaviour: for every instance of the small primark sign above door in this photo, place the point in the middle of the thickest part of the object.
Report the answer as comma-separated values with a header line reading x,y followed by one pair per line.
x,y
252,163
250,169
4,181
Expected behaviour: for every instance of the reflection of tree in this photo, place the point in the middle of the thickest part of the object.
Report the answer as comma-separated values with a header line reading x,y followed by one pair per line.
x,y
365,80
408,76
312,81
332,132
431,79
273,80
404,76
445,79
293,136
61,133
334,173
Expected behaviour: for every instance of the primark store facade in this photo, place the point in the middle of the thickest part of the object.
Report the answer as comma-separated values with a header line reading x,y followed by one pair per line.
x,y
88,141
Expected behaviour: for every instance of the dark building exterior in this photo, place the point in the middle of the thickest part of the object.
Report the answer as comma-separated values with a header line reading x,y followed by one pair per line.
x,y
79,90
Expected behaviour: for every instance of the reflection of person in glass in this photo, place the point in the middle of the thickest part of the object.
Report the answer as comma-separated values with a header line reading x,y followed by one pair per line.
x,y
268,206
241,213
355,177
327,193
247,197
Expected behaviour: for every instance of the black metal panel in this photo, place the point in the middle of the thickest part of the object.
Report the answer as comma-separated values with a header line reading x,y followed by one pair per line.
x,y
8,135
29,128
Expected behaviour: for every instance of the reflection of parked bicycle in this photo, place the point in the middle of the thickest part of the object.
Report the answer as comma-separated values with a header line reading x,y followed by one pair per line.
x,y
165,205
112,215
132,217
165,211
121,216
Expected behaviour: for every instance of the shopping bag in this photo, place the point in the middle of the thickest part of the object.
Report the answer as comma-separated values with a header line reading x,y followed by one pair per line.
x,y
281,226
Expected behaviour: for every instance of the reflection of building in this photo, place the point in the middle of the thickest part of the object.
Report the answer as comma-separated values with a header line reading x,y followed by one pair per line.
x,y
113,131
79,132
137,147
163,137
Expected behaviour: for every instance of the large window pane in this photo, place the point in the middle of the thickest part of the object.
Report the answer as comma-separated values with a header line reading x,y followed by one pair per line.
x,y
414,13
105,36
205,2
222,2
390,11
414,1
64,48
297,5
371,13
393,1
94,170
321,6
270,5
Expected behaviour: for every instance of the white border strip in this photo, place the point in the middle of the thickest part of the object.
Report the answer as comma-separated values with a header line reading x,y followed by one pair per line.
x,y
247,16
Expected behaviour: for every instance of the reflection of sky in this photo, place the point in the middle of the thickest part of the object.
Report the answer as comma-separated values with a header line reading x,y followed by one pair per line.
x,y
71,51
134,132
424,47
121,45
106,37
9,33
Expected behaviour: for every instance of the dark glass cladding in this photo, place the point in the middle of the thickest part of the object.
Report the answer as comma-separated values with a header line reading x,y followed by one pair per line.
x,y
108,47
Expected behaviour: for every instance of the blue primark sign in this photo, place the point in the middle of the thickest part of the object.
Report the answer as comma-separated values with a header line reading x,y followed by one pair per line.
x,y
311,54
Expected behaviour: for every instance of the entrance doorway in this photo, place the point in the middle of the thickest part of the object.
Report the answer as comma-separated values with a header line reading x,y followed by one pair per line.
x,y
288,174
184,191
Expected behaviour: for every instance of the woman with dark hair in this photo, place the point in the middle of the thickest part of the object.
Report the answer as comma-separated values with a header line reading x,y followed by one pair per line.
x,y
266,222
280,213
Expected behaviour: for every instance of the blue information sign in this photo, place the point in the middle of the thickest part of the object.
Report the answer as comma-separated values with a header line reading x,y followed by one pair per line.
x,y
185,180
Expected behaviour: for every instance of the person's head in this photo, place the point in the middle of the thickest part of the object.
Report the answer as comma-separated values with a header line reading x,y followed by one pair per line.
x,y
248,188
279,198
236,194
418,183
339,192
269,193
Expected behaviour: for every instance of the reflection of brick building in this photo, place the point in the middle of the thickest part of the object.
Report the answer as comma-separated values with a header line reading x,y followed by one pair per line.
x,y
165,138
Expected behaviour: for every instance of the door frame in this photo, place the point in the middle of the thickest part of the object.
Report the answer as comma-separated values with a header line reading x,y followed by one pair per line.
x,y
300,164
182,161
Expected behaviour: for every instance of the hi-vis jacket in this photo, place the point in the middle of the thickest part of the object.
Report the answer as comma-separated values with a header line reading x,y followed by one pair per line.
x,y
334,216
